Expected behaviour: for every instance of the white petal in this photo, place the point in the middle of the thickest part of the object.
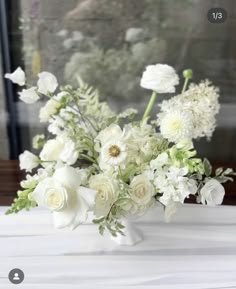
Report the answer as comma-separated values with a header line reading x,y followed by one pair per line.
x,y
47,82
18,76
39,192
68,177
29,96
88,195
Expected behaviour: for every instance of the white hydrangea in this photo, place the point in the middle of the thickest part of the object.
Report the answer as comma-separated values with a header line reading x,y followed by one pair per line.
x,y
201,101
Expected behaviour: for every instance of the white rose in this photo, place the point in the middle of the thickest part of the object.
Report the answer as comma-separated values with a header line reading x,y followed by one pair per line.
x,y
142,190
161,78
65,197
107,191
47,82
48,110
52,149
212,193
28,161
18,76
69,154
29,96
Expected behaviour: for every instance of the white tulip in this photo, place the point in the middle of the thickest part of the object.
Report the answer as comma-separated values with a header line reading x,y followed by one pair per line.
x,y
28,161
212,193
107,192
47,83
29,96
65,197
142,190
18,76
161,78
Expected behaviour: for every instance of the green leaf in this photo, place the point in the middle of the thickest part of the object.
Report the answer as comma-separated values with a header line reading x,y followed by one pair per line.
x,y
207,167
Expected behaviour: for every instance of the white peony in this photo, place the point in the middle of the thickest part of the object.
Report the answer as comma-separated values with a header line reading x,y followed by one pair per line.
x,y
50,108
176,126
142,190
29,95
65,197
212,193
107,192
161,78
47,83
28,161
18,76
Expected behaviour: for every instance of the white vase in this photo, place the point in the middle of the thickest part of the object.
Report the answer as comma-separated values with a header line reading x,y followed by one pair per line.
x,y
132,235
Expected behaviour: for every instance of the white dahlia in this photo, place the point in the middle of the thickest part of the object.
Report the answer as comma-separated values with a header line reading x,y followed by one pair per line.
x,y
176,126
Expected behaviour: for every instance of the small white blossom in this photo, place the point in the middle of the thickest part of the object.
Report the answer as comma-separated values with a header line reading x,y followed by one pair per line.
x,y
47,83
28,161
161,78
29,95
18,76
50,108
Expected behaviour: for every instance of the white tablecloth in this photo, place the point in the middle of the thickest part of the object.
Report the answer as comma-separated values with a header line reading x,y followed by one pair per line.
x,y
196,250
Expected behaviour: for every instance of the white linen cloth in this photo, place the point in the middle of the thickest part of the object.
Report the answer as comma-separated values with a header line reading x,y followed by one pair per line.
x,y
197,250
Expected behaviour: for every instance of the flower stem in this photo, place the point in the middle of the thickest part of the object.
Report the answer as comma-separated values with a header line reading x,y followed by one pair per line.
x,y
149,107
185,84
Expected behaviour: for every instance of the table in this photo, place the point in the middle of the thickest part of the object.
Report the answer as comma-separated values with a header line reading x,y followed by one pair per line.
x,y
196,250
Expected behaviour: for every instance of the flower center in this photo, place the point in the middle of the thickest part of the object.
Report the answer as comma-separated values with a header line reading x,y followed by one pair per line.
x,y
114,151
141,192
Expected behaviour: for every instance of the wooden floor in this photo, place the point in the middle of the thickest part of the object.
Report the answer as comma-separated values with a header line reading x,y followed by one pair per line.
x,y
10,177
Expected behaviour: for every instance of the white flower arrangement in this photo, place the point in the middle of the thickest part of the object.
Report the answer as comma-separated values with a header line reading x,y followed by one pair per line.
x,y
114,165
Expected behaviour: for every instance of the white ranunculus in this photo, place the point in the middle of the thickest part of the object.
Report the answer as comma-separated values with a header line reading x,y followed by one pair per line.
x,y
107,192
29,95
161,78
28,161
52,149
47,83
142,190
65,197
69,153
18,76
212,193
48,110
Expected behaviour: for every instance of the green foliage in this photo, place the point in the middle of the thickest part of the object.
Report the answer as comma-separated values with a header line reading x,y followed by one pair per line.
x,y
23,201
